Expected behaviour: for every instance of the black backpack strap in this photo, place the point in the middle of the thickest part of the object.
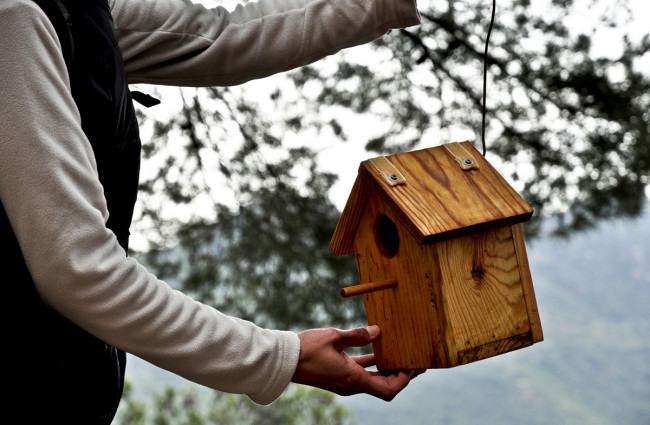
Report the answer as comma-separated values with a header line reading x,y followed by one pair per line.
x,y
62,22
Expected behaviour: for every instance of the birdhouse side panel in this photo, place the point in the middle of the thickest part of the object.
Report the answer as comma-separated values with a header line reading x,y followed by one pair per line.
x,y
482,289
527,283
412,335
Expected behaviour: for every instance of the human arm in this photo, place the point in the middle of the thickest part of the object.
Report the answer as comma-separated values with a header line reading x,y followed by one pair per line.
x,y
54,201
173,42
50,191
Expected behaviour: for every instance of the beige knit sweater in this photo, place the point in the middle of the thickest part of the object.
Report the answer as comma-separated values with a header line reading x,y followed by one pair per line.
x,y
50,190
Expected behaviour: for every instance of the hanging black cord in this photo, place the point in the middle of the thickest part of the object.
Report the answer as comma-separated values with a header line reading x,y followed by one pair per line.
x,y
485,66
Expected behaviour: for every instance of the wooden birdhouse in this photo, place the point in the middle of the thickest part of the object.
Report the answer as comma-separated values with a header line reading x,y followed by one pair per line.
x,y
441,258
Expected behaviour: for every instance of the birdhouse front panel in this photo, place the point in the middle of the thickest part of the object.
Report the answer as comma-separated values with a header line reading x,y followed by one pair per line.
x,y
410,316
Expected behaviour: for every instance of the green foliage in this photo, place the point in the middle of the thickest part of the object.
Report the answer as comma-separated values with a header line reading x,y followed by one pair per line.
x,y
132,411
187,406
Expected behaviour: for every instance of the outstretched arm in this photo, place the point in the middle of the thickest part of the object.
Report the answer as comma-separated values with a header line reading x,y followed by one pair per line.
x,y
324,364
175,42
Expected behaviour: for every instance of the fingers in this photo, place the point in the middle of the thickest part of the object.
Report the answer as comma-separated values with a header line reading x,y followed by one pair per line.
x,y
365,361
387,387
357,337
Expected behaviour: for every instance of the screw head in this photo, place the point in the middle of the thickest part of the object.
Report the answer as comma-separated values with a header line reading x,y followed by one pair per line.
x,y
468,161
394,177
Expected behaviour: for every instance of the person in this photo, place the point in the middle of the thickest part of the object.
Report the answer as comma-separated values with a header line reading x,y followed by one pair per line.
x,y
73,301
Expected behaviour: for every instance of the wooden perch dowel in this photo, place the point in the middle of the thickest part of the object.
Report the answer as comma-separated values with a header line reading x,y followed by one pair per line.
x,y
365,288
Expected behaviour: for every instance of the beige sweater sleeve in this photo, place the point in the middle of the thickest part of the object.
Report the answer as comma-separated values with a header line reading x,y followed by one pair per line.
x,y
179,43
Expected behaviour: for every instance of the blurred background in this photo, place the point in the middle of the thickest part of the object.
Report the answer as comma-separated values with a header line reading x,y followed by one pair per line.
x,y
242,188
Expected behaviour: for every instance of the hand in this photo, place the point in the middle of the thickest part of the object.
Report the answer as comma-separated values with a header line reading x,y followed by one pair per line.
x,y
324,364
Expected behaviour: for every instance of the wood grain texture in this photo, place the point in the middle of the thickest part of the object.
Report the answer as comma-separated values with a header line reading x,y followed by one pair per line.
x,y
495,348
441,200
481,285
452,239
527,284
457,301
411,336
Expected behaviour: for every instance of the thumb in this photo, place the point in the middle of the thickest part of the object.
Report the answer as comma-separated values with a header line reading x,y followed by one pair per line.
x,y
358,337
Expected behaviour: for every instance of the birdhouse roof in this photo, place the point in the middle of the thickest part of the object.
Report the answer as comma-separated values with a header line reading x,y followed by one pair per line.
x,y
437,193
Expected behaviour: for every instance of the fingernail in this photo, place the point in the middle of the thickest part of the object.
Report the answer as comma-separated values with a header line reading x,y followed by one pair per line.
x,y
373,330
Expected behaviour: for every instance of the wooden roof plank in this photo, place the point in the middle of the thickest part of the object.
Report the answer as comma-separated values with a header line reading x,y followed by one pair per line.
x,y
440,200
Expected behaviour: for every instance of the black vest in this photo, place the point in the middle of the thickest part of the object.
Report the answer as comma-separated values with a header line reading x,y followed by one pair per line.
x,y
64,374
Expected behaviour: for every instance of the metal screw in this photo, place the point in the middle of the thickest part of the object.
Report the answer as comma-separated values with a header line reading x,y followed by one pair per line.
x,y
394,177
468,161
